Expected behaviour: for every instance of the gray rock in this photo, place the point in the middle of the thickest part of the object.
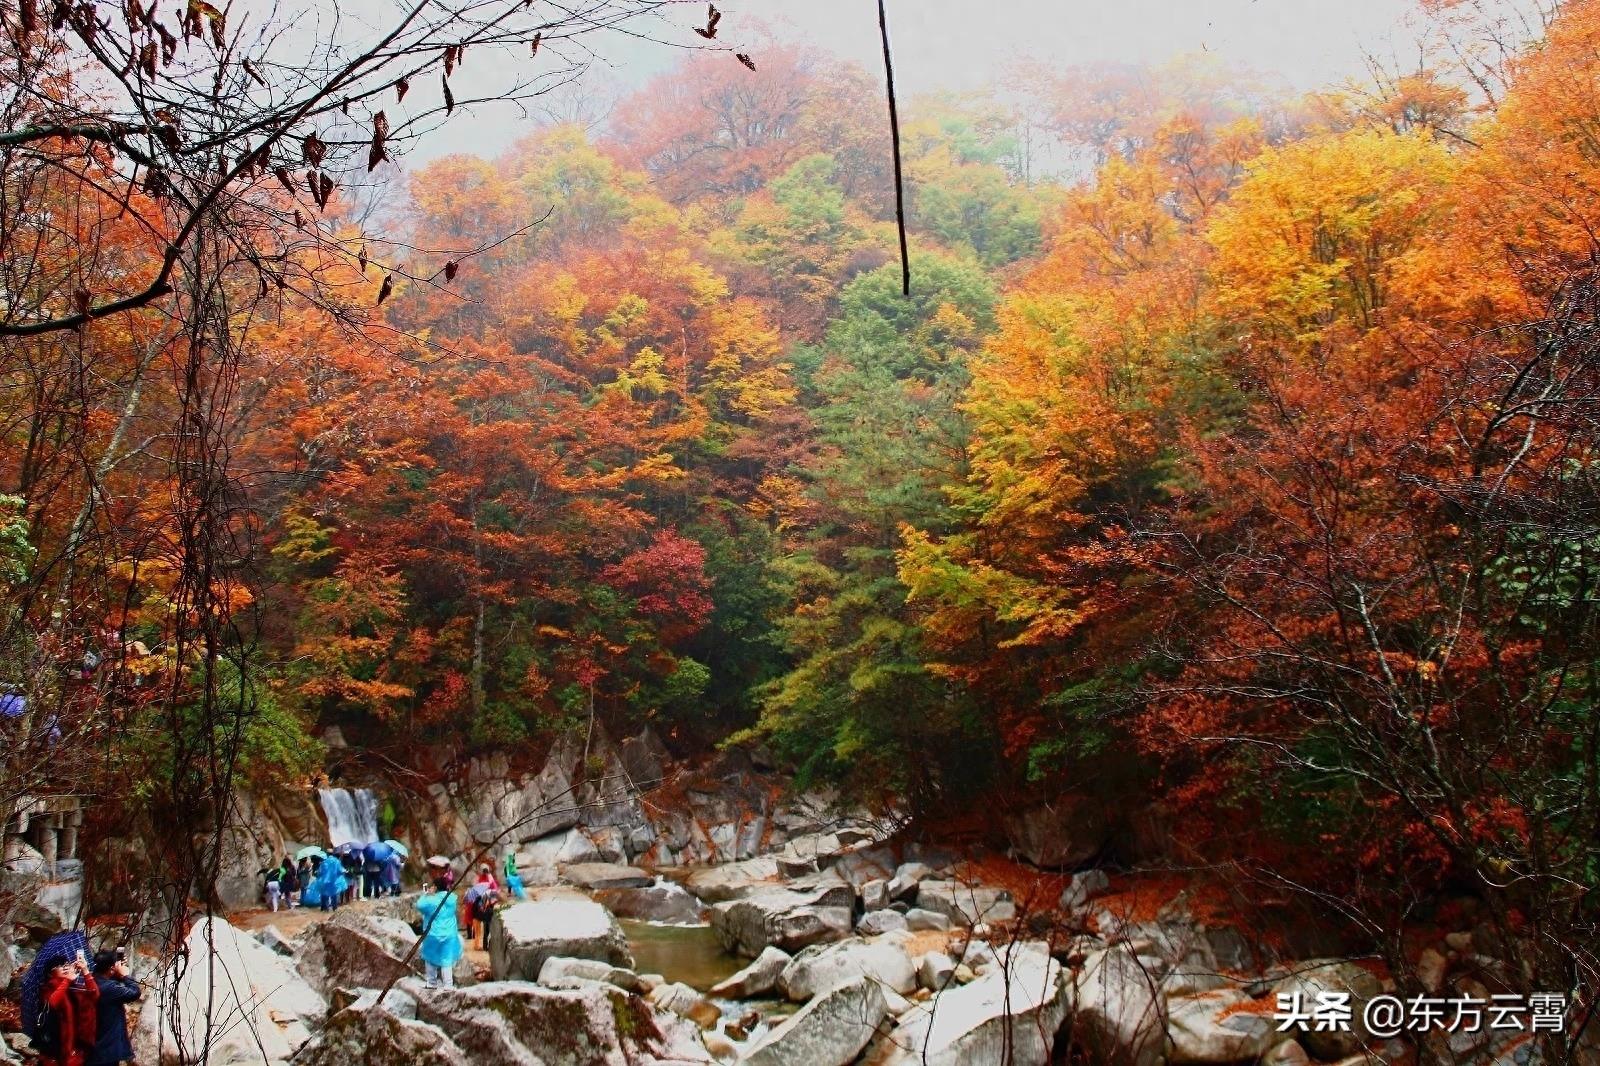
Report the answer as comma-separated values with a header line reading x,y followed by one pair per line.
x,y
734,880
517,1024
859,866
561,972
644,759
598,875
566,848
275,941
875,894
807,854
1333,976
935,970
919,920
1016,1010
371,1036
685,1002
1116,1012
907,876
1084,886
1065,834
1186,983
356,950
752,831
757,979
831,1030
789,920
525,934
250,1000
610,841
876,922
662,902
1202,1031
819,968
1286,1053
966,904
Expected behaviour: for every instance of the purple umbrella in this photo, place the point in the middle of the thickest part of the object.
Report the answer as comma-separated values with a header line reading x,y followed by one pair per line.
x,y
62,947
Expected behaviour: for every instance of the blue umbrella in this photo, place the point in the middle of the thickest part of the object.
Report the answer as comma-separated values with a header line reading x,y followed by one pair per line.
x,y
380,852
58,949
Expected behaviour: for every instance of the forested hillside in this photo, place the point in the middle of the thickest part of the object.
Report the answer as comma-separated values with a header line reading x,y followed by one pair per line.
x,y
1235,461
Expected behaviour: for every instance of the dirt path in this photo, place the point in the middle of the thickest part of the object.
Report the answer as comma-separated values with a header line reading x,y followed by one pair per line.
x,y
292,921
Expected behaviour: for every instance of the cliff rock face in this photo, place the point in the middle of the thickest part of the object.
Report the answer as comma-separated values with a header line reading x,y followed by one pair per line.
x,y
589,801
594,801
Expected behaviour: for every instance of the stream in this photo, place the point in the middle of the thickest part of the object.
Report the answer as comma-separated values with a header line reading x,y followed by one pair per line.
x,y
687,953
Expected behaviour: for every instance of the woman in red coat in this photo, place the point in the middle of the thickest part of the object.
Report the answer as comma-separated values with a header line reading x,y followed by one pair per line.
x,y
71,995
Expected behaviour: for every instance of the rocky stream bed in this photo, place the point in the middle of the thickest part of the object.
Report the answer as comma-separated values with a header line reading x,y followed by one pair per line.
x,y
714,917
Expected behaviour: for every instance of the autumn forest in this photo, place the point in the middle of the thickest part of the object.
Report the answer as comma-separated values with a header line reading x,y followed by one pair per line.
x,y
1231,472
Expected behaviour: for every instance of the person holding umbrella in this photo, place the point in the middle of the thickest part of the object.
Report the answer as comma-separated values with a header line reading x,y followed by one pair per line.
x,y
59,1001
291,882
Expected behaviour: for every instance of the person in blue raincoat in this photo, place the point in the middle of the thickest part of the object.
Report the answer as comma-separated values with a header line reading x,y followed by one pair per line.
x,y
441,934
331,882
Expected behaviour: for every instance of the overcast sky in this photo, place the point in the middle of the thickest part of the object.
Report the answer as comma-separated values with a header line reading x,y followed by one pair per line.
x,y
965,45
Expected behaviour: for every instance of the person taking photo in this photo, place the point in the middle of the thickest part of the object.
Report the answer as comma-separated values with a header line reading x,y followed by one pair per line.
x,y
117,990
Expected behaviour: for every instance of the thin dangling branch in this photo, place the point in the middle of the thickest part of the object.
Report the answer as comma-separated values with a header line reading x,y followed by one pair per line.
x,y
894,133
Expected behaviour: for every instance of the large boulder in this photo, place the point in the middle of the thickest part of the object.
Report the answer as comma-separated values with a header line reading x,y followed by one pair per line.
x,y
876,923
789,920
499,805
355,950
966,904
819,968
662,902
757,979
1332,977
567,848
525,934
732,880
1084,886
809,853
1210,1028
685,1002
1019,1008
1117,1013
367,1035
644,759
561,972
247,845
517,1024
1058,835
598,875
831,1030
251,1004
43,907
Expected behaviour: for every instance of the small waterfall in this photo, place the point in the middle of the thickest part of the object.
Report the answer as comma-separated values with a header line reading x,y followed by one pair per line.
x,y
352,815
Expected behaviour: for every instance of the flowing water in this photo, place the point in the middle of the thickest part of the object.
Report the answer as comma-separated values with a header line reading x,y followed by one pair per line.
x,y
352,815
688,953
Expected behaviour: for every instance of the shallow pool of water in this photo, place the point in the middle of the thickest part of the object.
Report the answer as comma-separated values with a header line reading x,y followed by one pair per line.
x,y
688,953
